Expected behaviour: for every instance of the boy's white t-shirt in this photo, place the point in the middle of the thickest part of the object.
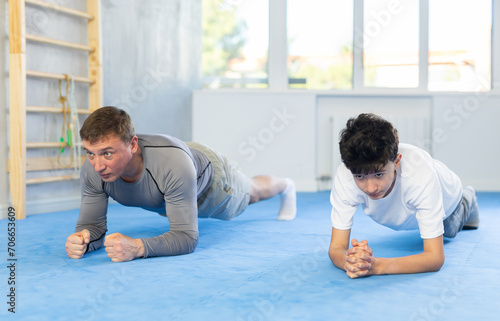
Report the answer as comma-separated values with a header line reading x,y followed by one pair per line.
x,y
424,194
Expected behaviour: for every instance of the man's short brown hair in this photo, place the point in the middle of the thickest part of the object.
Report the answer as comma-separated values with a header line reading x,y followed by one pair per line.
x,y
107,121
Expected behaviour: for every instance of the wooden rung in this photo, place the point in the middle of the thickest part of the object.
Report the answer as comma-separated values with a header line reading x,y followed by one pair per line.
x,y
49,75
57,110
46,163
49,179
46,145
60,43
55,7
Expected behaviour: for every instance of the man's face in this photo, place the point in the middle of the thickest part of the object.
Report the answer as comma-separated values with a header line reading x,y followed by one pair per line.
x,y
378,185
111,157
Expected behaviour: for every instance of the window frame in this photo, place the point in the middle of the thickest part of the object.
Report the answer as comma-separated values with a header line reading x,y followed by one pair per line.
x,y
278,54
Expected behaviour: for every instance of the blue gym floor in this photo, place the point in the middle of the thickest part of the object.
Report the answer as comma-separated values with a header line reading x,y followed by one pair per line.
x,y
251,268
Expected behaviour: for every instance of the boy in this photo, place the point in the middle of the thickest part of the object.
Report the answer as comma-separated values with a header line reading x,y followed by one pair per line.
x,y
399,186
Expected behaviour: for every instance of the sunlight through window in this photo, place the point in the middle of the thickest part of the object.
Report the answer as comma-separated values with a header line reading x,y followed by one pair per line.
x,y
235,43
320,34
460,45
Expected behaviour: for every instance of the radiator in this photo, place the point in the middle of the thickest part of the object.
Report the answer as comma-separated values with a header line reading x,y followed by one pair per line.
x,y
413,129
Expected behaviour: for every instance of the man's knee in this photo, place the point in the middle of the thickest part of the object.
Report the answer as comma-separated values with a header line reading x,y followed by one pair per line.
x,y
254,195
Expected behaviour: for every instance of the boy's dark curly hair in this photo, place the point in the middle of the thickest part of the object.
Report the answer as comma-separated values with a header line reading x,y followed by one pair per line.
x,y
368,143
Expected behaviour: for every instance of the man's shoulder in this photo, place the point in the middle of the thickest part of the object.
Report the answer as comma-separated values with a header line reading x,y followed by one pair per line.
x,y
162,146
164,154
159,140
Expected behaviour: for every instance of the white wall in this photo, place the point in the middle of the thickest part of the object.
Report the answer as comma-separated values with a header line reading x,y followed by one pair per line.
x,y
262,133
462,130
470,144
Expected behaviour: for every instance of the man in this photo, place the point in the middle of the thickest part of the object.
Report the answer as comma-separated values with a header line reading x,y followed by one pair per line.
x,y
159,173
399,186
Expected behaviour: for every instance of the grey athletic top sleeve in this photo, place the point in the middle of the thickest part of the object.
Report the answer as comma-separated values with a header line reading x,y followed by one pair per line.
x,y
173,177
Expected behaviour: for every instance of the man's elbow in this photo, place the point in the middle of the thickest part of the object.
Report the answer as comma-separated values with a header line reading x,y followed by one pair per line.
x,y
192,246
192,243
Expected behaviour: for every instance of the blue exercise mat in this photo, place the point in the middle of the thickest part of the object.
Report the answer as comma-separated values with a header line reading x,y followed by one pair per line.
x,y
251,268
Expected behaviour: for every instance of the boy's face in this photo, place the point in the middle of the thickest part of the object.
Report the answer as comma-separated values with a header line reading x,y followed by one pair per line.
x,y
111,157
378,185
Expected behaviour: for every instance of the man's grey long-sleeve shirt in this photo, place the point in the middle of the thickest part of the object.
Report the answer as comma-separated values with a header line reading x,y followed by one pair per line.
x,y
173,177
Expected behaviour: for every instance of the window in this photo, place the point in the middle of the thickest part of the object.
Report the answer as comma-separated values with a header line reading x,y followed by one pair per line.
x,y
235,43
320,37
390,43
459,49
357,45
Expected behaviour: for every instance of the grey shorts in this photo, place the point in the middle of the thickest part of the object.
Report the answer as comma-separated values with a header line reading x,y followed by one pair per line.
x,y
456,221
229,194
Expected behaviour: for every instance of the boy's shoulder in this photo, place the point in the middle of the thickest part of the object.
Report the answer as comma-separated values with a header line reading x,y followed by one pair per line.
x,y
412,153
343,173
409,148
415,162
344,178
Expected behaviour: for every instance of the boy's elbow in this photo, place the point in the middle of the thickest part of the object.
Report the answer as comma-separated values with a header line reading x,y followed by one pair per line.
x,y
331,254
440,264
437,264
337,257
